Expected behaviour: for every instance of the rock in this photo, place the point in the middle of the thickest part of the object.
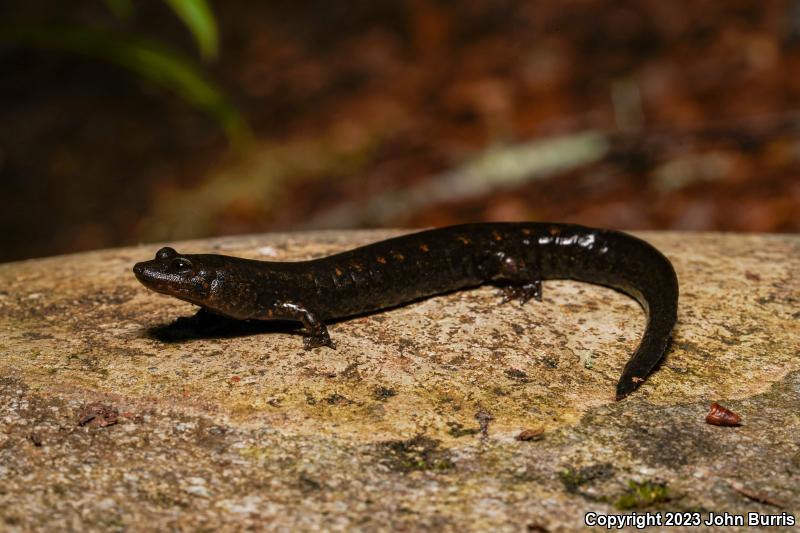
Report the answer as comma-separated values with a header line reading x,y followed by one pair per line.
x,y
411,422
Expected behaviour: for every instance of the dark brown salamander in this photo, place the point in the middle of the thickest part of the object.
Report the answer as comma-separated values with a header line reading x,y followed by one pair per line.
x,y
517,256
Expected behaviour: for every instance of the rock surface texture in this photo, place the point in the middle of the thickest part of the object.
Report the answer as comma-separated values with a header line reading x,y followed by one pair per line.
x,y
118,414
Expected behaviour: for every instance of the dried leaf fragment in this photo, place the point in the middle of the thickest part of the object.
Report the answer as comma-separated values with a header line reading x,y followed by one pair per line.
x,y
720,416
531,434
98,414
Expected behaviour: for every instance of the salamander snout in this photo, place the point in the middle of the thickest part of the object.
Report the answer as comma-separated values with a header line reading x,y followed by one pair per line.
x,y
147,272
188,277
168,266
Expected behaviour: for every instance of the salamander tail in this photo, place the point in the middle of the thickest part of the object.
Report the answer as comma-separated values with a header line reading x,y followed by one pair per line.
x,y
658,294
646,357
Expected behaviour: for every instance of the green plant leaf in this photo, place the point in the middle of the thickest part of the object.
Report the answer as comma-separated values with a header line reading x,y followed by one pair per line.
x,y
199,18
147,58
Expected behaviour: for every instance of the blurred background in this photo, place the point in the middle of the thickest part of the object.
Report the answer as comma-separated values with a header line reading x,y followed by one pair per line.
x,y
127,121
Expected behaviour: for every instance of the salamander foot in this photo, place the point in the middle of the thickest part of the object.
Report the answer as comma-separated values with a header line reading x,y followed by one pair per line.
x,y
317,341
522,293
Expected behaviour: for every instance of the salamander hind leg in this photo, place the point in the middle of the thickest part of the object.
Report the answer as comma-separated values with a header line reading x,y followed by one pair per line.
x,y
522,293
520,280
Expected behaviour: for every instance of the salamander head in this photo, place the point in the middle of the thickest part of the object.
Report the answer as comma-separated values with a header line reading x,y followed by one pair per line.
x,y
188,277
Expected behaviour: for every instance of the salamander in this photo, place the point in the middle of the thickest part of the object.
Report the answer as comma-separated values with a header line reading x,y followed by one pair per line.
x,y
393,272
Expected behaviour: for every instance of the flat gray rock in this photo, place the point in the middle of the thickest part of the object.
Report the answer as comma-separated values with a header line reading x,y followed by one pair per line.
x,y
118,414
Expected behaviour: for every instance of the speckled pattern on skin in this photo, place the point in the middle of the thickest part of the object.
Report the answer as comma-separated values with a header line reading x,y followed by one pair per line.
x,y
385,433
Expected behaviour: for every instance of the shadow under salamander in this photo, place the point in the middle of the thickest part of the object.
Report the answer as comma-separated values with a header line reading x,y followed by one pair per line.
x,y
206,325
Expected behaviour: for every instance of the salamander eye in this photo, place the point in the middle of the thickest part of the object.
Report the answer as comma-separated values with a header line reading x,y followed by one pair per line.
x,y
180,264
166,252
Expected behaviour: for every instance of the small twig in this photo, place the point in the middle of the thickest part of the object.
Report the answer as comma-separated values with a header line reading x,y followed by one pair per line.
x,y
759,497
484,419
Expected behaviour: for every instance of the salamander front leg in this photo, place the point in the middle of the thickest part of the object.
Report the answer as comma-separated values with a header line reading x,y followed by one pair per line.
x,y
316,331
